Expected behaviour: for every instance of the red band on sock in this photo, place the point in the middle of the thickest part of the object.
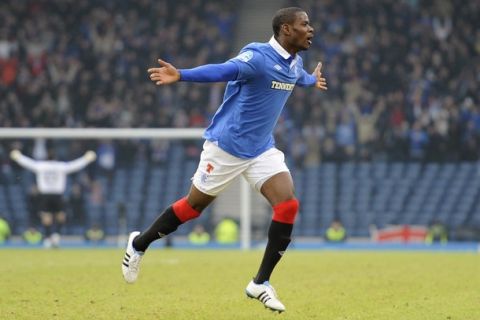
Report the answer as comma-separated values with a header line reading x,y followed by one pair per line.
x,y
184,211
285,212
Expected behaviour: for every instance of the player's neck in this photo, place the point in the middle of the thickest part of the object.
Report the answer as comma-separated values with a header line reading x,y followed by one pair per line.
x,y
285,45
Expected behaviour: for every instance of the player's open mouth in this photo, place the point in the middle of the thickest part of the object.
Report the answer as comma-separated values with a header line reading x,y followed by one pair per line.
x,y
309,40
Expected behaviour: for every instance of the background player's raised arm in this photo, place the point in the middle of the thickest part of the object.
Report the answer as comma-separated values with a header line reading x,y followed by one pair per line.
x,y
23,160
80,163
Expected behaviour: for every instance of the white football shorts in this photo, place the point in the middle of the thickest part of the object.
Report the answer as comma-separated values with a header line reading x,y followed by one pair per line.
x,y
218,168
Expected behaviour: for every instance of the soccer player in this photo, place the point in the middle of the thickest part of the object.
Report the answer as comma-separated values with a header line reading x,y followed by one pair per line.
x,y
239,141
51,176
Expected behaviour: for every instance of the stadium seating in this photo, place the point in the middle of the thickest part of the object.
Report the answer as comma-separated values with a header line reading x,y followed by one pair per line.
x,y
359,194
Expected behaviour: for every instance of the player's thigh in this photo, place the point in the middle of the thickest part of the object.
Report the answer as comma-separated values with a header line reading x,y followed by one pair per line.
x,y
216,170
199,200
269,174
278,188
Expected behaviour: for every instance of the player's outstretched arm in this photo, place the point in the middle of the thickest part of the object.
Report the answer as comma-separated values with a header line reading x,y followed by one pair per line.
x,y
227,71
321,82
166,74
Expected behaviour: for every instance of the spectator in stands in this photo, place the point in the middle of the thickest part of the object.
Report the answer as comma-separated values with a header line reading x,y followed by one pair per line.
x,y
5,231
226,231
32,236
95,234
106,158
198,236
159,152
336,232
437,233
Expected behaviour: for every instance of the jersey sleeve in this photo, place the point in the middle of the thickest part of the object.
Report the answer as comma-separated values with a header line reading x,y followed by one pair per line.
x,y
27,163
210,73
75,165
306,79
250,63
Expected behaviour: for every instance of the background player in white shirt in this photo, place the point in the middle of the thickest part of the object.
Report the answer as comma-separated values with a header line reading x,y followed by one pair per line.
x,y
51,176
239,141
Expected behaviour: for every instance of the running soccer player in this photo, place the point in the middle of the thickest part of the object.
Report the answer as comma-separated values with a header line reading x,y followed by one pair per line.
x,y
239,141
51,176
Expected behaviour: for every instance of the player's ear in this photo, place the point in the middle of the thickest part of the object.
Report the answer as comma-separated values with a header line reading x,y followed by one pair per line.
x,y
287,29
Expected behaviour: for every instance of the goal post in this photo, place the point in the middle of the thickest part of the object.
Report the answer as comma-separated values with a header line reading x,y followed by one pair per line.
x,y
137,133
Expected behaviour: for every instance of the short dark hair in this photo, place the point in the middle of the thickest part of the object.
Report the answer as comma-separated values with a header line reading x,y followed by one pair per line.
x,y
285,15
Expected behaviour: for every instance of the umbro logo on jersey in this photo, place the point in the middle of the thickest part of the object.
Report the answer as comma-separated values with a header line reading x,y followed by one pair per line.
x,y
277,67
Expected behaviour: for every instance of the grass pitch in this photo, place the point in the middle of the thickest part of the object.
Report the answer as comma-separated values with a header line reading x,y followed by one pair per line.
x,y
180,284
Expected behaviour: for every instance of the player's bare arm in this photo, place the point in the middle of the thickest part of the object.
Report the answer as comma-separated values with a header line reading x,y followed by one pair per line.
x,y
166,74
321,82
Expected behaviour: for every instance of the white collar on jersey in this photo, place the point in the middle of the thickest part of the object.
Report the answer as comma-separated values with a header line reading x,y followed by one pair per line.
x,y
281,51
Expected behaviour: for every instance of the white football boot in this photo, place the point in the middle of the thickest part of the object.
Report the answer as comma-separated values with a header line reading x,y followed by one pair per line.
x,y
265,294
131,260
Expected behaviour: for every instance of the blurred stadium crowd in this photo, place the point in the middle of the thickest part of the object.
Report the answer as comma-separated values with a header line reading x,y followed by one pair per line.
x,y
88,69
403,82
403,77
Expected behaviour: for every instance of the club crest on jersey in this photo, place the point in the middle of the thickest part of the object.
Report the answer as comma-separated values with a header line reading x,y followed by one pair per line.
x,y
245,56
282,86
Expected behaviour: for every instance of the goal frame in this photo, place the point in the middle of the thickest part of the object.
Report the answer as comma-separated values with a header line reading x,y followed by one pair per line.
x,y
137,133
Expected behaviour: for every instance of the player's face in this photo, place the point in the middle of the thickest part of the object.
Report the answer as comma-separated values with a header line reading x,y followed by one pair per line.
x,y
302,32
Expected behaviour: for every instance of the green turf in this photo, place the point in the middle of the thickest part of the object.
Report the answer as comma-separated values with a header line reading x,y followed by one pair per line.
x,y
87,284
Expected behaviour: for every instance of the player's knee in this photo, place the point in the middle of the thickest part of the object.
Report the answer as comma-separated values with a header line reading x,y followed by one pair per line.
x,y
286,211
184,211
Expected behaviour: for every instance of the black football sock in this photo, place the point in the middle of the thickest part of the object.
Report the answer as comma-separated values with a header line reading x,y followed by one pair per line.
x,y
278,240
166,223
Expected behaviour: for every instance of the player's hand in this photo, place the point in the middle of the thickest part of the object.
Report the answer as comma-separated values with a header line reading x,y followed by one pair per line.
x,y
90,155
166,74
15,154
321,82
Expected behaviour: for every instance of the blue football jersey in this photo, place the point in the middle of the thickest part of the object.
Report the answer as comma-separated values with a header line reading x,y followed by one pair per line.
x,y
243,125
